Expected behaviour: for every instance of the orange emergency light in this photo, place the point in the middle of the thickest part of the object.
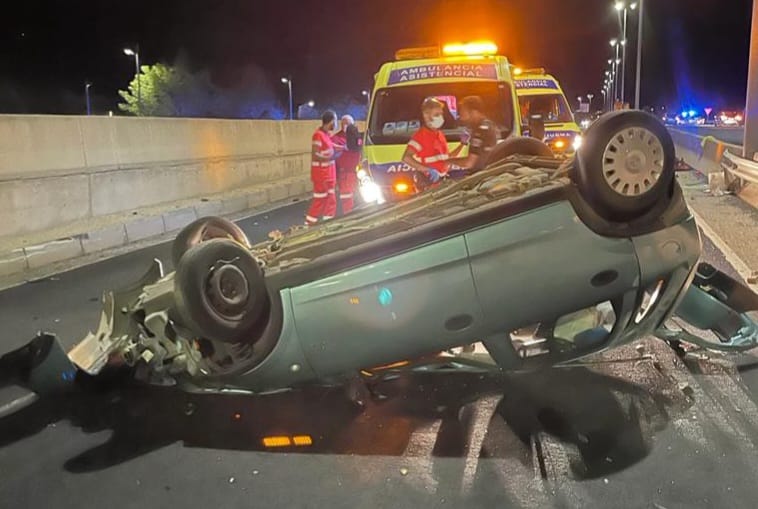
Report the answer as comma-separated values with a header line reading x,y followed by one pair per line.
x,y
402,187
476,48
417,53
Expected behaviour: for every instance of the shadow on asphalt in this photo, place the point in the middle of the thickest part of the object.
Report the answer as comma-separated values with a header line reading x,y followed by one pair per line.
x,y
604,423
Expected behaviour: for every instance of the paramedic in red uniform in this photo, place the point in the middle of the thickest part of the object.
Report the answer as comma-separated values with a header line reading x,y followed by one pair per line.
x,y
323,171
348,140
427,150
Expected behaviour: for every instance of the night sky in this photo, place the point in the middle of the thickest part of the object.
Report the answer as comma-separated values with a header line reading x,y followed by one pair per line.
x,y
696,51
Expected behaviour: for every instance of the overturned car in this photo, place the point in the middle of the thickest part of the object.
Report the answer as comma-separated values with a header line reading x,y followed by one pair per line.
x,y
516,256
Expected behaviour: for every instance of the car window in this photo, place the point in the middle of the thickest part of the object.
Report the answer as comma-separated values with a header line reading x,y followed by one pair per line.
x,y
396,114
553,108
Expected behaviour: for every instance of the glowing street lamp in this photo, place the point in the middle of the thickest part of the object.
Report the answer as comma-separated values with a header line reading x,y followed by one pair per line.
x,y
135,53
86,94
288,82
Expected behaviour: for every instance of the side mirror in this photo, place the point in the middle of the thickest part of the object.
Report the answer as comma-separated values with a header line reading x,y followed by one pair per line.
x,y
537,127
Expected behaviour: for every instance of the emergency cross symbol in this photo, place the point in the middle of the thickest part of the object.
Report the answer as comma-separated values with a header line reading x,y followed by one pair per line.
x,y
435,71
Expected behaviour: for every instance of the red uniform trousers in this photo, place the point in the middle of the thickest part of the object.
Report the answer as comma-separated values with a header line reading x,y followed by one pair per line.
x,y
324,204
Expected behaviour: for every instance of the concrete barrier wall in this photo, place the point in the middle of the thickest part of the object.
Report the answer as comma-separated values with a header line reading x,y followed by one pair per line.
x,y
702,153
57,170
728,135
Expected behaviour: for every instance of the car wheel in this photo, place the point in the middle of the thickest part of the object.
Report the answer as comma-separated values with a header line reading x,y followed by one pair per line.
x,y
519,145
220,291
205,229
625,165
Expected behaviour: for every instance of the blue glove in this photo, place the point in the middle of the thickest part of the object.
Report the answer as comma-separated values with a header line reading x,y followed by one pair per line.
x,y
434,175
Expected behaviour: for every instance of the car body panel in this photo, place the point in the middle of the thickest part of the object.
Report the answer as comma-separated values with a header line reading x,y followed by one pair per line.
x,y
404,306
522,253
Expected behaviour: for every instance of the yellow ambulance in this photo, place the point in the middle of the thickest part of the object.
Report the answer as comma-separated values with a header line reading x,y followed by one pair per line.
x,y
449,74
540,93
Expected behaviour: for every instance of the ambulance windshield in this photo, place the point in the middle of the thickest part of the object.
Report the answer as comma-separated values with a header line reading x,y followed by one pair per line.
x,y
396,113
553,108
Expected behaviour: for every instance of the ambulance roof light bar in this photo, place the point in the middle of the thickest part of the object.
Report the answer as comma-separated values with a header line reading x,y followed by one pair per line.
x,y
518,71
476,48
417,53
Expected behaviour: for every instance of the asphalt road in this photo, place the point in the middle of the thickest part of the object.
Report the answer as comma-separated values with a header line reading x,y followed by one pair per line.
x,y
638,427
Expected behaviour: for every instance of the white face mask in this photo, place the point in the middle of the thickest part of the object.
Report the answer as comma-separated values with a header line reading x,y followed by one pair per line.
x,y
436,122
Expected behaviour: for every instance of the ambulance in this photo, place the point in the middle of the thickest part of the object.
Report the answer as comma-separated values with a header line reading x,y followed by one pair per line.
x,y
540,93
449,74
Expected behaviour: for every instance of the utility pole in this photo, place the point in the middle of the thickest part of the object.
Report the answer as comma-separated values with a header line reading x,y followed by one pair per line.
x,y
750,144
640,22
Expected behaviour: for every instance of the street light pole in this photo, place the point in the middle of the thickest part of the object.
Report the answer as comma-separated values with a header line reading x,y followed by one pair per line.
x,y
288,81
617,61
614,90
640,21
135,53
750,141
589,98
86,95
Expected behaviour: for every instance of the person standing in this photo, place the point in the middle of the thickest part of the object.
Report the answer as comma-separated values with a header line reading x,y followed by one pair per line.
x,y
323,171
348,140
427,151
484,134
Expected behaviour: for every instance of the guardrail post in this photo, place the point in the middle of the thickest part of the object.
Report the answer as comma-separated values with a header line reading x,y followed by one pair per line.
x,y
750,145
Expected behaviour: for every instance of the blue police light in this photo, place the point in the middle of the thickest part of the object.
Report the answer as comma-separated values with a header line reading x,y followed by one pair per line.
x,y
692,113
684,114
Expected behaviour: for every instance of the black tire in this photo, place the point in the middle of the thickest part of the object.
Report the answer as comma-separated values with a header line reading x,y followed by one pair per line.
x,y
518,145
642,180
202,230
220,292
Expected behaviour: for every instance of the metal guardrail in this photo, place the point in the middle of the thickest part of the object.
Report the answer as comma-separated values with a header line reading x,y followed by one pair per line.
x,y
713,157
740,168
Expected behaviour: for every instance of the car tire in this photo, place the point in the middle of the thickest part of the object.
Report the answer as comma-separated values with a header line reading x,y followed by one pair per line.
x,y
625,166
518,145
220,291
202,230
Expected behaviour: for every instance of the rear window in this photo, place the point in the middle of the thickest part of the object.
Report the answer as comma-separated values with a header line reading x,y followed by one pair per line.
x,y
396,113
553,108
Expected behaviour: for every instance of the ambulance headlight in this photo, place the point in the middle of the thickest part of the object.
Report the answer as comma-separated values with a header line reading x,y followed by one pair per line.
x,y
577,142
370,192
362,174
